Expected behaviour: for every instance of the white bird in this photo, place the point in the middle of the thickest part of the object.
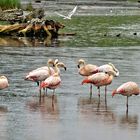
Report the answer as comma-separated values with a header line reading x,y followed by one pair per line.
x,y
106,68
69,14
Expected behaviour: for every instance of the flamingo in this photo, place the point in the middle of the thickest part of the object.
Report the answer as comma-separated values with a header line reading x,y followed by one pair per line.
x,y
53,81
86,70
41,73
127,89
3,82
99,79
107,68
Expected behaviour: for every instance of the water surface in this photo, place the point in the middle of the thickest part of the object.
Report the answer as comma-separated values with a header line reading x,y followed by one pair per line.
x,y
73,115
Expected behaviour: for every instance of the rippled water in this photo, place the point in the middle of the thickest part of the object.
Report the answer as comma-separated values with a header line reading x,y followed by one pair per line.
x,y
72,115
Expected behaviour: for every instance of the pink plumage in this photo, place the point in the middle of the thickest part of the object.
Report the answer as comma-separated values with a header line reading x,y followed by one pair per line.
x,y
3,82
85,69
127,89
39,74
99,79
52,82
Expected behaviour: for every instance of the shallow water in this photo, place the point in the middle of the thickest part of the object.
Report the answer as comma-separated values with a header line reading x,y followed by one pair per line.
x,y
73,114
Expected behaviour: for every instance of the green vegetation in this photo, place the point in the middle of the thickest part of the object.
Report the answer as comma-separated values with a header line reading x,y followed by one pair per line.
x,y
105,31
29,7
9,4
133,0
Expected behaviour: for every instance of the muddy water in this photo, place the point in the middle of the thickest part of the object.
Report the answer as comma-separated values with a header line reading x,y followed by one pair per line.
x,y
72,115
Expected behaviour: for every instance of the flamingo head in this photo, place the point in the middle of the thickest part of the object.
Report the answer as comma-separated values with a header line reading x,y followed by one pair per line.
x,y
60,64
43,85
80,62
114,92
51,62
56,61
85,81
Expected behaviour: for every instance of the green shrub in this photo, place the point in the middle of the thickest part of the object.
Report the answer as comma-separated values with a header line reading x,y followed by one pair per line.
x,y
9,4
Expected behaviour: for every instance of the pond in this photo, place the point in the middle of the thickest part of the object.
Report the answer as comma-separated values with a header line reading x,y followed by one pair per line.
x,y
72,115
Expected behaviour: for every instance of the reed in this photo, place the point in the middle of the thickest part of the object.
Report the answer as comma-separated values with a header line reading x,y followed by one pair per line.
x,y
9,4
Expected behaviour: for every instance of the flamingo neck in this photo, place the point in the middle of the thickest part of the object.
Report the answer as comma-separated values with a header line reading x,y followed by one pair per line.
x,y
56,70
49,69
114,92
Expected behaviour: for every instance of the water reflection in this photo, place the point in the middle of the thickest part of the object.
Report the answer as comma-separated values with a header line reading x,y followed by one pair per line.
x,y
97,109
3,120
45,105
129,121
28,42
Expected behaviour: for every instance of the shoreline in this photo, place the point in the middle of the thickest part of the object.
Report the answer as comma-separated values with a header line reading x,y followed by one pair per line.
x,y
104,3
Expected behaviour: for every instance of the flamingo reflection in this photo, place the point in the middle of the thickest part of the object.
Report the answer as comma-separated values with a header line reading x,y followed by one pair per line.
x,y
129,121
46,105
90,108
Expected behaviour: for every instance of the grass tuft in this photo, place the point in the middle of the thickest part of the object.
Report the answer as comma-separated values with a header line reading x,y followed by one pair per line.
x,y
9,4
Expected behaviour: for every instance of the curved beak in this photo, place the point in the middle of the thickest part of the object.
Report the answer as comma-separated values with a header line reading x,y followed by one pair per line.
x,y
113,93
78,66
65,68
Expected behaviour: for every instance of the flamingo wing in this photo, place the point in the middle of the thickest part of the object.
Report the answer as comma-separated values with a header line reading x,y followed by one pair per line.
x,y
128,89
52,82
37,75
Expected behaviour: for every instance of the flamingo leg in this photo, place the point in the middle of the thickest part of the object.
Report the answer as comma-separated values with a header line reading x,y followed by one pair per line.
x,y
99,93
39,92
53,99
46,91
90,91
105,94
43,92
127,104
39,89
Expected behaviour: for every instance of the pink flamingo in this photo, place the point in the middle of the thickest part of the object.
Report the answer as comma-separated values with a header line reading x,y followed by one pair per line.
x,y
41,73
127,89
99,79
53,81
107,68
3,82
86,70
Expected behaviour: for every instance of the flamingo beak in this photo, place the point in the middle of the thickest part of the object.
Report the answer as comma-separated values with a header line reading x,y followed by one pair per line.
x,y
113,93
65,68
78,66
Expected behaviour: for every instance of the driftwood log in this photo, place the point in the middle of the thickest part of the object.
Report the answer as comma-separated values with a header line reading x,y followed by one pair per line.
x,y
35,28
32,25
